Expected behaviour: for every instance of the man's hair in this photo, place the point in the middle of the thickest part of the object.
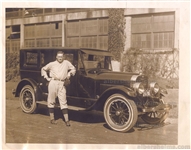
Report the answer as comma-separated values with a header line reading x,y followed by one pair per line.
x,y
60,52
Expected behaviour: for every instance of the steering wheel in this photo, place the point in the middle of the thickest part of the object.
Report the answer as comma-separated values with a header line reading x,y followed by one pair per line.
x,y
94,71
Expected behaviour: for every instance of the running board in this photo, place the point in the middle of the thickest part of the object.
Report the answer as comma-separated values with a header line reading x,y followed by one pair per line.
x,y
69,107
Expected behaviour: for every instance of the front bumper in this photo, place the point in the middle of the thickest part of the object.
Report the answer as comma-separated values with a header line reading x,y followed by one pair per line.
x,y
159,108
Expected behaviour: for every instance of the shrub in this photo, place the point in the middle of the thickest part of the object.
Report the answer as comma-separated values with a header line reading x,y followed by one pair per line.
x,y
161,66
116,35
12,66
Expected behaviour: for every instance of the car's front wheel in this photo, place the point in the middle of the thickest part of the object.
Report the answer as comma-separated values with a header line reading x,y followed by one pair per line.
x,y
120,113
27,99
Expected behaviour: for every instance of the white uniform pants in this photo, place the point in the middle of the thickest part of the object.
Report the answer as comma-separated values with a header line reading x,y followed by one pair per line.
x,y
57,89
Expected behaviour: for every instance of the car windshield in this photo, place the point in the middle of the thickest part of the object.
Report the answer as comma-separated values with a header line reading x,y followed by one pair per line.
x,y
96,61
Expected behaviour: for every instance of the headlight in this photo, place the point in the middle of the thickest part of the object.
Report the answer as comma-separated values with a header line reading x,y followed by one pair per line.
x,y
138,87
154,87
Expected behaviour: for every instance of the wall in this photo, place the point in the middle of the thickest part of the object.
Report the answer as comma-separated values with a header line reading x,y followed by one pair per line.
x,y
163,64
96,14
55,18
140,11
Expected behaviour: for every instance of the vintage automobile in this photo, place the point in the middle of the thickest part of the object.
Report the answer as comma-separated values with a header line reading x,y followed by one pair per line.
x,y
121,96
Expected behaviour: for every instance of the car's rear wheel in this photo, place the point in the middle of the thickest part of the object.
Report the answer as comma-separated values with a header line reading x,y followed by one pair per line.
x,y
27,99
120,113
156,117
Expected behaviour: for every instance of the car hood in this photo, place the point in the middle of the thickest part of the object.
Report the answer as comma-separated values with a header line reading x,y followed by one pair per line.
x,y
111,75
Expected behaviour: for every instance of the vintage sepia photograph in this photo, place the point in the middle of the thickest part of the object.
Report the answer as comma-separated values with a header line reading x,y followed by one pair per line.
x,y
92,76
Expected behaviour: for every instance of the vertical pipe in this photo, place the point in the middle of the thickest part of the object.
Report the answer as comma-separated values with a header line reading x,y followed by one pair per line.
x,y
22,34
64,32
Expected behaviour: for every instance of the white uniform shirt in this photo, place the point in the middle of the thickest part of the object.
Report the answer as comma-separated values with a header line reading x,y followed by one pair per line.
x,y
58,70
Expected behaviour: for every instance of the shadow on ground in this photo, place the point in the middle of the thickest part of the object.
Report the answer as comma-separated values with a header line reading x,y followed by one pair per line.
x,y
96,117
79,116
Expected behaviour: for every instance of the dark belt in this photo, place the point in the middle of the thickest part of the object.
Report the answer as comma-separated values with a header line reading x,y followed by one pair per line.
x,y
59,79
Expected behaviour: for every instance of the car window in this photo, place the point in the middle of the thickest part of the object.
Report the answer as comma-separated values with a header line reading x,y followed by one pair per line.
x,y
69,57
31,58
90,64
42,59
46,57
49,56
93,61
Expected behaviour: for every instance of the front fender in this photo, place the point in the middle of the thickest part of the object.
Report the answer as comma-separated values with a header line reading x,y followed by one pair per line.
x,y
110,91
28,81
126,90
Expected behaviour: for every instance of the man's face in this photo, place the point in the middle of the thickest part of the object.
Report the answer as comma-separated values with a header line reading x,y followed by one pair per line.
x,y
60,58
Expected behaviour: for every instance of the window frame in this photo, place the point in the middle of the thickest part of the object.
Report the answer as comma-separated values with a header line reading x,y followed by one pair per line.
x,y
91,39
153,32
49,38
31,65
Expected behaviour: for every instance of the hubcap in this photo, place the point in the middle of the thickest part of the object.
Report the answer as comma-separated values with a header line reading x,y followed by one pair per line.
x,y
27,99
119,112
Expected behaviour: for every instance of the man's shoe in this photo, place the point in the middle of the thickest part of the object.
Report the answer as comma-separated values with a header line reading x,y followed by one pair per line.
x,y
53,121
67,123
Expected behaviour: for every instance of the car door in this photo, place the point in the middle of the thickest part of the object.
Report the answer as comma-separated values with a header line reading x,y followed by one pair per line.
x,y
85,85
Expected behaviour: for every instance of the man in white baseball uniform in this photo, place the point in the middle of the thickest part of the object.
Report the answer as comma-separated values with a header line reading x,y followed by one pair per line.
x,y
59,71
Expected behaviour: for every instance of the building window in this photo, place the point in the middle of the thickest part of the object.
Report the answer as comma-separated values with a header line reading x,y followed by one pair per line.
x,y
88,27
29,31
142,40
43,35
13,39
15,45
44,42
8,48
8,32
42,30
88,33
90,42
103,26
163,40
154,31
29,42
56,42
73,29
73,42
47,10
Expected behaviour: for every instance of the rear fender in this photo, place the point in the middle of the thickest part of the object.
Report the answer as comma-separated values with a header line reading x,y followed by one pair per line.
x,y
28,81
113,90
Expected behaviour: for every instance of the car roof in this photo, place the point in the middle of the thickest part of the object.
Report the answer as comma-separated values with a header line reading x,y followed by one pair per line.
x,y
92,51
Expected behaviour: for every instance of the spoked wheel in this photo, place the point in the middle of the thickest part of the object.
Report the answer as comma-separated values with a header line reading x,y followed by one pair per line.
x,y
120,113
155,117
27,99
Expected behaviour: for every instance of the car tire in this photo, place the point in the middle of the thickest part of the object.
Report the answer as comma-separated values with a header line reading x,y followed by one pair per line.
x,y
27,100
120,113
155,117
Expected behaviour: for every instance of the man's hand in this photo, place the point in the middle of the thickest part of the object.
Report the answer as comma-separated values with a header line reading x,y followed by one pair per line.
x,y
48,79
68,77
66,82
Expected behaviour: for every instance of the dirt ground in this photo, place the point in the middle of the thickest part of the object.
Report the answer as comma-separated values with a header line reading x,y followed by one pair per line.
x,y
86,127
